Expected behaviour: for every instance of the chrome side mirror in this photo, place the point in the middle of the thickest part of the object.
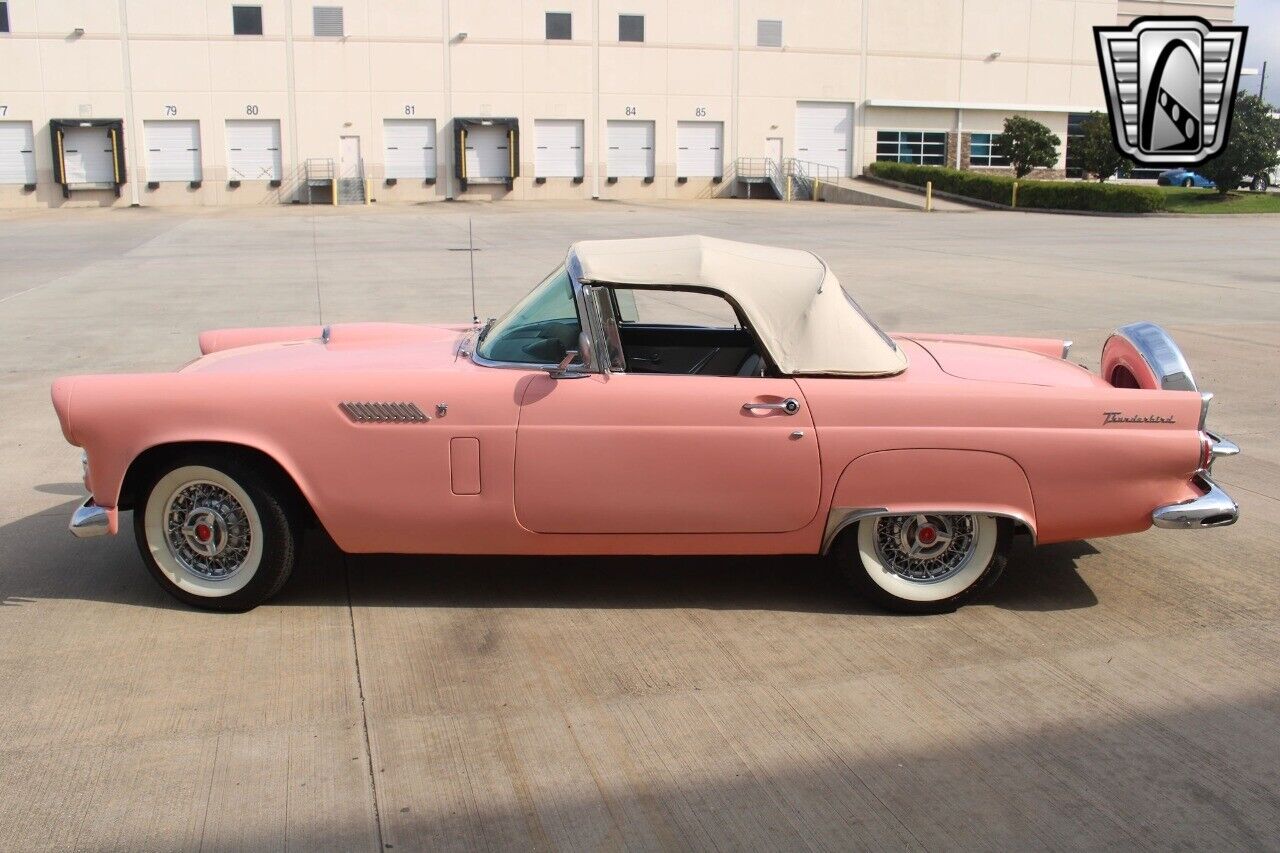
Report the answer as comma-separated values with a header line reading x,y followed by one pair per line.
x,y
561,370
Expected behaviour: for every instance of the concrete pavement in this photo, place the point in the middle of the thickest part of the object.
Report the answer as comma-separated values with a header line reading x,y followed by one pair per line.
x,y
1114,693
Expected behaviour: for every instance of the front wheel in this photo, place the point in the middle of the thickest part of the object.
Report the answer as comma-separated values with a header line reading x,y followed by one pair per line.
x,y
1259,184
924,562
1187,182
215,533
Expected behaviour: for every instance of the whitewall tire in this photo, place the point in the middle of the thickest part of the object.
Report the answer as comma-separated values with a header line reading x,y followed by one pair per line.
x,y
924,562
215,533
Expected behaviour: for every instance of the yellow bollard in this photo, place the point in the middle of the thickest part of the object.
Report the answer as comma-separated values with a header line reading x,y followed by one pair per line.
x,y
367,192
788,188
816,184
1015,195
928,196
334,182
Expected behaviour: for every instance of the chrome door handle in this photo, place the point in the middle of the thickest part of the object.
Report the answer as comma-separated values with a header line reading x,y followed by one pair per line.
x,y
788,406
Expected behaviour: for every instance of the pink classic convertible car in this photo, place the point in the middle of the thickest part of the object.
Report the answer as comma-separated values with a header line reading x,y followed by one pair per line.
x,y
655,396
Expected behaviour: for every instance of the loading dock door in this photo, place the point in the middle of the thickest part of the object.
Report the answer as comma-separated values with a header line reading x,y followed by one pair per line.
x,y
630,149
824,134
88,156
411,148
559,148
253,150
488,156
17,153
173,150
698,147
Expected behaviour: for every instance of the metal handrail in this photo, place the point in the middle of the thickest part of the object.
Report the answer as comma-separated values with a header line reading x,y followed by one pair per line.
x,y
809,170
762,167
789,175
319,169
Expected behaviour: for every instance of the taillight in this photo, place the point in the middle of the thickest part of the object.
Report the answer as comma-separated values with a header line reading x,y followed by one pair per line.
x,y
1206,450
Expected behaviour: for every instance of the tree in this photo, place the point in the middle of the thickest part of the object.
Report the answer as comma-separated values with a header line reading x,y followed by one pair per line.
x,y
1253,143
1096,149
1027,144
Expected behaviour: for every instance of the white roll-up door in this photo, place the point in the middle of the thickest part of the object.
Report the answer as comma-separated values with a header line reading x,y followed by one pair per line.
x,y
824,133
253,150
17,153
173,150
488,156
630,149
558,151
698,149
87,155
410,148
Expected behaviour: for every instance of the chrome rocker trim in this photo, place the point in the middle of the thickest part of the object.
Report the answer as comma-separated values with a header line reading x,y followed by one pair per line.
x,y
89,520
1215,508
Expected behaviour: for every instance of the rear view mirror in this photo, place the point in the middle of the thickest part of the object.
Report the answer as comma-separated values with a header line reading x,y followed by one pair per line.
x,y
584,347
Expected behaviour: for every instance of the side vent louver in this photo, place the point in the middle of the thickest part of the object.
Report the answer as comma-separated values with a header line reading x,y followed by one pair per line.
x,y
383,413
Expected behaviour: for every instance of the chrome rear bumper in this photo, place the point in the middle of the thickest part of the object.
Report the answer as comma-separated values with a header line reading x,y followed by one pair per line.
x,y
1214,508
90,520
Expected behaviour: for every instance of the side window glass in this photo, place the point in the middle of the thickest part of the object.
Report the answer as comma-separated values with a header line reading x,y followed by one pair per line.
x,y
675,308
602,306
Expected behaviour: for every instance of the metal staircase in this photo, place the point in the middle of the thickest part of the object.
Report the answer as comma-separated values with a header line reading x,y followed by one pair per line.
x,y
324,186
318,180
754,171
351,187
791,179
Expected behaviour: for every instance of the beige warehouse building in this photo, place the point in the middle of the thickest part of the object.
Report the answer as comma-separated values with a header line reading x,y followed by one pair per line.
x,y
208,102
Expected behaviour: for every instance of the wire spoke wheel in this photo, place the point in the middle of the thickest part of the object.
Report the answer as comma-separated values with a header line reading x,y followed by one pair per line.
x,y
925,548
207,530
924,562
215,533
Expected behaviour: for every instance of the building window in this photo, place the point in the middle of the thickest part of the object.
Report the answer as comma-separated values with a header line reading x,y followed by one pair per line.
x,y
246,20
982,150
4,17
768,33
559,25
327,21
911,146
631,28
1075,133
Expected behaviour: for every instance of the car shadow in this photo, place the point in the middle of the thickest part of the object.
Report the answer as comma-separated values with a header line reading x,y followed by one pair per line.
x,y
40,560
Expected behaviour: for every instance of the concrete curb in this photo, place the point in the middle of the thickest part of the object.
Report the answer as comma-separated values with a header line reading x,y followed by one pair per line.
x,y
994,206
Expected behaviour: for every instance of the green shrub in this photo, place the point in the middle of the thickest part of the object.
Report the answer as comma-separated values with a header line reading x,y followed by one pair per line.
x,y
1045,195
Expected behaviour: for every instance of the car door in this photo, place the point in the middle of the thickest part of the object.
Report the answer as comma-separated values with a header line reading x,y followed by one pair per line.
x,y
665,454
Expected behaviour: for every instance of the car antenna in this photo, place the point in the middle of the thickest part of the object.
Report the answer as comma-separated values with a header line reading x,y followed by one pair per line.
x,y
471,255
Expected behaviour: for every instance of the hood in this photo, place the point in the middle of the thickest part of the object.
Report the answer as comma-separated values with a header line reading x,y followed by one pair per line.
x,y
354,346
991,363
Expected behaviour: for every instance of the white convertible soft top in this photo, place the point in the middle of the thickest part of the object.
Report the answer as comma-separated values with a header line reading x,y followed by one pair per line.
x,y
801,314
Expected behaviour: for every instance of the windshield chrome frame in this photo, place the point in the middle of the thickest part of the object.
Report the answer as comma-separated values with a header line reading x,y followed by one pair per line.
x,y
587,322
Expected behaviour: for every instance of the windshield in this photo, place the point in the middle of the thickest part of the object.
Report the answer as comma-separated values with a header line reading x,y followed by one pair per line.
x,y
539,329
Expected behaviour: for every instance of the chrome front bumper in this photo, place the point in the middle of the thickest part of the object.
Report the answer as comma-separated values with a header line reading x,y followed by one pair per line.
x,y
90,520
1214,508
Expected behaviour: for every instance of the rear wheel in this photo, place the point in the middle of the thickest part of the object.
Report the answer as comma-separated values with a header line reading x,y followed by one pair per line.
x,y
1259,184
1187,182
924,562
215,533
